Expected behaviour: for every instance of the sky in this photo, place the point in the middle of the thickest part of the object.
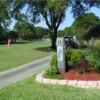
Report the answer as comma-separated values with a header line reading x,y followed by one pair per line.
x,y
67,22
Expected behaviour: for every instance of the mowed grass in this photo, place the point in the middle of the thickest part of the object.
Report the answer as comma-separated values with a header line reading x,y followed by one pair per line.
x,y
21,53
29,89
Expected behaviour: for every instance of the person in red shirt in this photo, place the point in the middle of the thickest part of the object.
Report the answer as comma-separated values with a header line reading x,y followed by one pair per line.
x,y
9,42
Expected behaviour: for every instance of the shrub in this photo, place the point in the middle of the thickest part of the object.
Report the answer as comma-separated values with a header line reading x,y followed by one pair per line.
x,y
73,55
53,61
93,56
52,70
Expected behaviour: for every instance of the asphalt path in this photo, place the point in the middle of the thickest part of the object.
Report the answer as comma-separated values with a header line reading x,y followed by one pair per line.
x,y
16,74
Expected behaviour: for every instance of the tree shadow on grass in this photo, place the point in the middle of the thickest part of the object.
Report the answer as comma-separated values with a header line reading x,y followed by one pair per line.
x,y
45,49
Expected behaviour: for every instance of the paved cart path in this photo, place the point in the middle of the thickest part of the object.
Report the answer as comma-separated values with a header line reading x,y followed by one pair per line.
x,y
13,75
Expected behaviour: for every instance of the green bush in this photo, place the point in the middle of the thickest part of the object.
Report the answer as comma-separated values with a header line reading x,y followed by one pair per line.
x,y
73,55
93,56
52,70
53,61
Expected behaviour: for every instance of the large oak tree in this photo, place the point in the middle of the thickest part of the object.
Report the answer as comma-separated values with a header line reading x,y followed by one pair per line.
x,y
52,11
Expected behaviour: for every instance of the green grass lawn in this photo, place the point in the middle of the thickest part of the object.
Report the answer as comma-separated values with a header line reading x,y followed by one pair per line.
x,y
29,89
21,53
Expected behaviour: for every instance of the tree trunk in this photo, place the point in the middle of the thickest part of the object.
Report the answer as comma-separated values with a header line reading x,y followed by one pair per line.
x,y
53,35
53,44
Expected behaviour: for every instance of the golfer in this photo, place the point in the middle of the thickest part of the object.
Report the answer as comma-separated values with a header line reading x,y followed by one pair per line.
x,y
9,43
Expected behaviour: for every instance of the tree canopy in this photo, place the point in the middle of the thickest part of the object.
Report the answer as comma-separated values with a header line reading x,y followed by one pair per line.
x,y
53,12
4,14
25,30
4,20
80,7
87,23
41,32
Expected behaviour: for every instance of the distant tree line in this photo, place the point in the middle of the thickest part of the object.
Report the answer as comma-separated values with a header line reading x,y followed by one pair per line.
x,y
84,27
25,31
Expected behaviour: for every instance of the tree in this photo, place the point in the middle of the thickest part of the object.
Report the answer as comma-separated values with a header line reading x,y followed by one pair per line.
x,y
4,20
52,11
60,33
68,31
87,23
4,15
29,31
3,35
13,36
80,7
46,33
21,18
17,28
41,32
26,28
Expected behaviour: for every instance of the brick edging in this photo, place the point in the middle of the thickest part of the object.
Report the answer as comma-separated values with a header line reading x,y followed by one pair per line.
x,y
75,83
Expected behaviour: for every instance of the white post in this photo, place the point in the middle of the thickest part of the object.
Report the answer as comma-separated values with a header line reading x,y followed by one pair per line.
x,y
61,54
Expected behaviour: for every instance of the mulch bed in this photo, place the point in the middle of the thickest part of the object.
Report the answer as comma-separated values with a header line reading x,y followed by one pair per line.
x,y
72,75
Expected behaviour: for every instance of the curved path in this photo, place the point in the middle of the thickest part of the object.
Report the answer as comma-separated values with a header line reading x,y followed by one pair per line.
x,y
13,75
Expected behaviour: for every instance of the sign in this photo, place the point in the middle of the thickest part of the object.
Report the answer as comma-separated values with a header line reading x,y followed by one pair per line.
x,y
61,54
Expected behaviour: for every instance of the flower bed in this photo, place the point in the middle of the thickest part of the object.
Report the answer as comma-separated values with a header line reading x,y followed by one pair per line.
x,y
71,75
